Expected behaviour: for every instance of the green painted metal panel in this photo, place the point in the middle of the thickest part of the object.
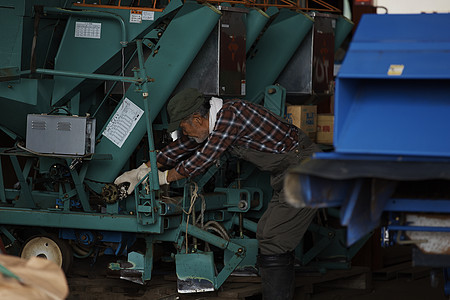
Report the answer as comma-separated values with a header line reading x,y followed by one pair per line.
x,y
195,268
88,52
20,98
17,30
274,49
343,28
249,261
11,45
77,220
256,20
177,47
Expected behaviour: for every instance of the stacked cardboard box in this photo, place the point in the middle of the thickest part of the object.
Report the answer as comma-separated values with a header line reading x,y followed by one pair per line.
x,y
304,117
325,127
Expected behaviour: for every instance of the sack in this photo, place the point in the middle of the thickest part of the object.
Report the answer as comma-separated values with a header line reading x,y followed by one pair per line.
x,y
39,279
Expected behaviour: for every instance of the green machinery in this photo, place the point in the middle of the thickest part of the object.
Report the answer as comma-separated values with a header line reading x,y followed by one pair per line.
x,y
83,88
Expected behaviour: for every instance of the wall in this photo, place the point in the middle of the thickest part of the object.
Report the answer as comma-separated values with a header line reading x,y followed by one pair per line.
x,y
413,6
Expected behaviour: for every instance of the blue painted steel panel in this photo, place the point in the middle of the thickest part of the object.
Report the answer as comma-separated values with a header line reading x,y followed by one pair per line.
x,y
392,89
419,42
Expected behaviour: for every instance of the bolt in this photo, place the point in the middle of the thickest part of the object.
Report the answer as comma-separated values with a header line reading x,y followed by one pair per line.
x,y
155,52
131,213
240,250
271,91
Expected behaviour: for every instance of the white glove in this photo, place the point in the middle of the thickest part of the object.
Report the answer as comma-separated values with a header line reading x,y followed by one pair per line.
x,y
133,177
162,176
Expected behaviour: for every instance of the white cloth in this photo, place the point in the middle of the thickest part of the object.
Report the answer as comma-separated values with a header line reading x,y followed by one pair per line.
x,y
216,105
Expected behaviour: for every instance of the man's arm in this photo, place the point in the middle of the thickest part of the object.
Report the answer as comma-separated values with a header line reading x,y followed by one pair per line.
x,y
175,152
173,175
226,131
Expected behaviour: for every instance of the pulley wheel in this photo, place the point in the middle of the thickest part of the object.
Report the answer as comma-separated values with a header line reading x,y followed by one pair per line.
x,y
49,247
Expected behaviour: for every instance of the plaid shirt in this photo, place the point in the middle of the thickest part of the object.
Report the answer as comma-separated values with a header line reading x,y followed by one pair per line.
x,y
238,123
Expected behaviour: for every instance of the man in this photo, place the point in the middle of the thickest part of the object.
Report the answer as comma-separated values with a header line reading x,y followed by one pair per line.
x,y
252,133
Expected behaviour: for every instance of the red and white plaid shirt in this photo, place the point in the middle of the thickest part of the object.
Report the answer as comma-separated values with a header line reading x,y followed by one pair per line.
x,y
238,123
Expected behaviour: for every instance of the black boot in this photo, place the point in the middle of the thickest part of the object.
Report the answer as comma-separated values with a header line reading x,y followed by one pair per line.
x,y
277,276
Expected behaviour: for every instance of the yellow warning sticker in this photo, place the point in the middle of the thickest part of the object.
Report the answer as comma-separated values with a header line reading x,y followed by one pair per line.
x,y
395,70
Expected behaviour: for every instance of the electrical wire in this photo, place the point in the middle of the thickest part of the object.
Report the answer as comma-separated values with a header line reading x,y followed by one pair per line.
x,y
20,146
58,108
123,71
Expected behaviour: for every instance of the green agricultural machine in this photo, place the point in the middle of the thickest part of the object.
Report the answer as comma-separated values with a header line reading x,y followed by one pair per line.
x,y
83,89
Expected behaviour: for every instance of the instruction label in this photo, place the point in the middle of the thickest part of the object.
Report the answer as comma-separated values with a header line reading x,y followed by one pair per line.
x,y
123,122
148,15
88,30
135,16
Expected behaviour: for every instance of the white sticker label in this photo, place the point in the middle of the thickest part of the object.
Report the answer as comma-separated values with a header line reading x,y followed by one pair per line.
x,y
88,30
243,87
148,15
395,70
135,16
123,122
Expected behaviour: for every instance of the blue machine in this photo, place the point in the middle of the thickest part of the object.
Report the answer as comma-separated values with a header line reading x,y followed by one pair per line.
x,y
391,164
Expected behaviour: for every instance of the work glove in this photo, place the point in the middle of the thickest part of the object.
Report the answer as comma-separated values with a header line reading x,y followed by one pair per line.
x,y
135,175
162,176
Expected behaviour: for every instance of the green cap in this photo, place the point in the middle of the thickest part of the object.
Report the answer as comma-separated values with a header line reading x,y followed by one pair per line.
x,y
182,105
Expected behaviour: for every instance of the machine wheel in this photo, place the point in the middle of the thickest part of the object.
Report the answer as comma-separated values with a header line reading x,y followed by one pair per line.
x,y
49,247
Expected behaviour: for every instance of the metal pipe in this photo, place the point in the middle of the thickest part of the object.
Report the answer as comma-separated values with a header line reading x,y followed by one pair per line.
x,y
246,223
88,76
99,14
419,228
147,115
204,235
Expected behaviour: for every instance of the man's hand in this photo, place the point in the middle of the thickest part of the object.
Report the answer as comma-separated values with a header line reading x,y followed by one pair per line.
x,y
162,176
133,177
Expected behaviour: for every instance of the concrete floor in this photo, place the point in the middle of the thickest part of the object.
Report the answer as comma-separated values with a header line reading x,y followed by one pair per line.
x,y
90,282
395,289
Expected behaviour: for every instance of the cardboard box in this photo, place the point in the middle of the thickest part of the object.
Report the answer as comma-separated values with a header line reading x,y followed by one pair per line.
x,y
304,117
325,128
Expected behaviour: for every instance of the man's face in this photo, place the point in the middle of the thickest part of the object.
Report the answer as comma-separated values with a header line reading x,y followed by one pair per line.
x,y
196,127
